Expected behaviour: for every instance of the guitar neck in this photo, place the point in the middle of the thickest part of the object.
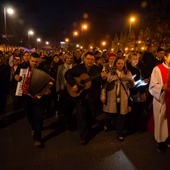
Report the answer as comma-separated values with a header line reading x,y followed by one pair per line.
x,y
91,78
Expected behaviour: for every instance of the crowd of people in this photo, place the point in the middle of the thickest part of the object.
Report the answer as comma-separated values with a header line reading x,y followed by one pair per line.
x,y
89,83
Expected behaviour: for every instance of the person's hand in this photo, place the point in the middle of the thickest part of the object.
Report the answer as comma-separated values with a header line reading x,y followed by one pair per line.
x,y
47,92
18,78
103,101
146,80
129,109
132,81
165,86
103,75
75,88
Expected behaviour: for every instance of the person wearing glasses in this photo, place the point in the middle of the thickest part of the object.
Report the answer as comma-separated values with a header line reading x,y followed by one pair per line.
x,y
85,80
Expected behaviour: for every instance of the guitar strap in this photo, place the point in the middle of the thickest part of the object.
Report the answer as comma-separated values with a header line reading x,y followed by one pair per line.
x,y
88,70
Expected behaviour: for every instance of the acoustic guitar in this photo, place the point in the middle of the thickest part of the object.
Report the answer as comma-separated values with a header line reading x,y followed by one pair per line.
x,y
83,82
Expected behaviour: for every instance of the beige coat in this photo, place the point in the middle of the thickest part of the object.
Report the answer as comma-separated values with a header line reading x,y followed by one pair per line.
x,y
110,90
60,79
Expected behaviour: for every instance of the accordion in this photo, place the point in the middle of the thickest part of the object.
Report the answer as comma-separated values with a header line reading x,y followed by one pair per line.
x,y
34,83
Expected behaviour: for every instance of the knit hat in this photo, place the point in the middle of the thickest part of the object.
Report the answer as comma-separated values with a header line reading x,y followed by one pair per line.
x,y
111,55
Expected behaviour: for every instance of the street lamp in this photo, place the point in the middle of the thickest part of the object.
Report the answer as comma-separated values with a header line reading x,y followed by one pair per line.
x,y
84,27
67,40
132,19
30,33
47,43
75,34
9,11
38,40
103,43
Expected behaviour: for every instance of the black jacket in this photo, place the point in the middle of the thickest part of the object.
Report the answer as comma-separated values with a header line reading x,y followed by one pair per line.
x,y
95,75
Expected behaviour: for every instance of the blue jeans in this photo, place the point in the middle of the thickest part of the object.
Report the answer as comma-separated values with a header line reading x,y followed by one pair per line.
x,y
119,119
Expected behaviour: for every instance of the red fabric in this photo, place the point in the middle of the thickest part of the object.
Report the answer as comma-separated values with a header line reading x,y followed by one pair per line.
x,y
27,82
168,116
165,72
150,127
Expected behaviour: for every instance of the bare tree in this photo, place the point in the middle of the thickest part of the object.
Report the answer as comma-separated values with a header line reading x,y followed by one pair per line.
x,y
156,21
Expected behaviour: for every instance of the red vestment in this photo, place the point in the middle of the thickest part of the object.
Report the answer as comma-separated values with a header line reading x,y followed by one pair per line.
x,y
165,72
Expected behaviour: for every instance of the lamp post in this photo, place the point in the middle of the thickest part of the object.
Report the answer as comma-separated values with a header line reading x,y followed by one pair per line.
x,y
75,34
67,40
132,19
9,11
103,43
38,40
30,33
83,28
47,43
131,34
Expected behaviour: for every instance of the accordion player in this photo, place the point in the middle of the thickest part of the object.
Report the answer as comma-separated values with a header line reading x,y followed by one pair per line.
x,y
34,83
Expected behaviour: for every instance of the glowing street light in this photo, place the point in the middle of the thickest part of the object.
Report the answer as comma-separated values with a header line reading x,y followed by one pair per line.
x,y
132,19
47,43
84,27
38,40
10,11
30,33
67,40
103,43
75,33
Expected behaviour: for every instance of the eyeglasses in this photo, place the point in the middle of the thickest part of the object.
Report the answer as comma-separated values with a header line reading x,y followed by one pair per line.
x,y
92,59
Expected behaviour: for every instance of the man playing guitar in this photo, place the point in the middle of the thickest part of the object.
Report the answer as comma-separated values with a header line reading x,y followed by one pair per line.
x,y
86,101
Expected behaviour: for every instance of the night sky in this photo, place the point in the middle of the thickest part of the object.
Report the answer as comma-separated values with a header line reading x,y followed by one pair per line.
x,y
56,19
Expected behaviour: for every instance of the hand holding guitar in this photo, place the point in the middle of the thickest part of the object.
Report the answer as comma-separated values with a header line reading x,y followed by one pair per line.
x,y
75,88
